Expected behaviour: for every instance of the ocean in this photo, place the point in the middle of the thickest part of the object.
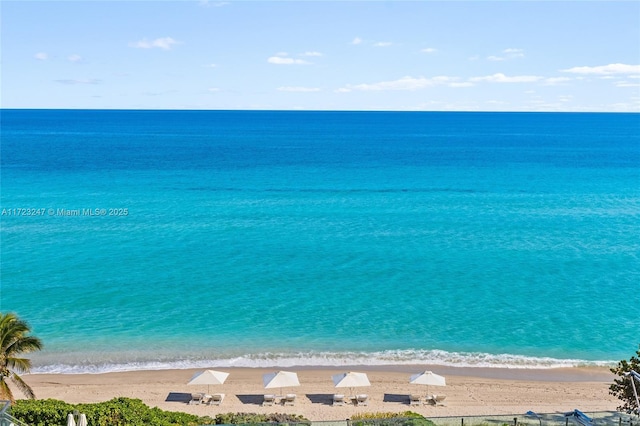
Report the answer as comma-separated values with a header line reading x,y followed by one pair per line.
x,y
186,239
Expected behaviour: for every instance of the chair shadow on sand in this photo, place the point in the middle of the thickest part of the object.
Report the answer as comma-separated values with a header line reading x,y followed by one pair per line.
x,y
178,397
320,398
251,399
396,397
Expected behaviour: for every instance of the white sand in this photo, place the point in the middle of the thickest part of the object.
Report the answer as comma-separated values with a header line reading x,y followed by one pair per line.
x,y
468,391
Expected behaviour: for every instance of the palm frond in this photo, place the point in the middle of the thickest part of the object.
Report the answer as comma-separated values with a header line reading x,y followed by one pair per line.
x,y
23,386
24,344
5,391
21,365
14,340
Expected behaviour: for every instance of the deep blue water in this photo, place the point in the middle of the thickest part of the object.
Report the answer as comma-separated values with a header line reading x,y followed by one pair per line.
x,y
281,238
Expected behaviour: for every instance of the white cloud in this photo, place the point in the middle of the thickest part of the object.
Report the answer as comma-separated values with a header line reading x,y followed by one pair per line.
x,y
605,69
461,84
509,53
207,3
213,89
298,89
74,58
79,81
281,60
41,56
162,43
404,83
501,78
429,50
514,53
627,84
357,40
210,66
552,81
312,54
383,44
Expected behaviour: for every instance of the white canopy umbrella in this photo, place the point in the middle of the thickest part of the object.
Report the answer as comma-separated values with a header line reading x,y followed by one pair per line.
x,y
427,378
71,421
82,421
280,379
208,377
350,380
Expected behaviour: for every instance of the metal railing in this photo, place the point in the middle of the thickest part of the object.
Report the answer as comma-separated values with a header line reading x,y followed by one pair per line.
x,y
601,418
7,419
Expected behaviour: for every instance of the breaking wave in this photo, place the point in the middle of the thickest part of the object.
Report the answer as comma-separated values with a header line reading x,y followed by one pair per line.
x,y
117,362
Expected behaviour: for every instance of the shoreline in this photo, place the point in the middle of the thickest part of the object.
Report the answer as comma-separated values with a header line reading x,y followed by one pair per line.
x,y
469,391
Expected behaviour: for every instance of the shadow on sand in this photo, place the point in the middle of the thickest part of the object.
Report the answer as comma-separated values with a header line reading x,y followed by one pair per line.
x,y
320,398
396,397
251,399
178,397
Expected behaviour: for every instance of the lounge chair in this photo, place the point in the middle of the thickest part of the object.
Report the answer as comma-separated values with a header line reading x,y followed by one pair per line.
x,y
216,399
415,400
439,399
289,399
268,400
196,398
362,399
338,399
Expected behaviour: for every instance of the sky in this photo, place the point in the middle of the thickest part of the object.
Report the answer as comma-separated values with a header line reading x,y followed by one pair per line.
x,y
322,55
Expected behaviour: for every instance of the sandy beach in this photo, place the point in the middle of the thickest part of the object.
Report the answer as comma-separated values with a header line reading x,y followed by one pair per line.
x,y
469,391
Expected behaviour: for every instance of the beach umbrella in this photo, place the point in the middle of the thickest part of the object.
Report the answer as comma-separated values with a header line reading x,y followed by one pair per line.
x,y
632,374
208,377
70,420
280,379
427,378
580,417
350,380
82,421
535,415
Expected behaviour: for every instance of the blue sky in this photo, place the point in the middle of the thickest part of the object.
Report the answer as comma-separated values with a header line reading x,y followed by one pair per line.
x,y
322,55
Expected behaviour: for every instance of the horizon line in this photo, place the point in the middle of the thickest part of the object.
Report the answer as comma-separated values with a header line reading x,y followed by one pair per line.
x,y
317,110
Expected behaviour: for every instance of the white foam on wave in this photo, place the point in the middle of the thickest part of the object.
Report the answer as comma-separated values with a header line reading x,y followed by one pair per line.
x,y
312,359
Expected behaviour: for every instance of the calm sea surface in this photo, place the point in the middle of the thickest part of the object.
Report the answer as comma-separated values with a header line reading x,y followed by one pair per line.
x,y
164,239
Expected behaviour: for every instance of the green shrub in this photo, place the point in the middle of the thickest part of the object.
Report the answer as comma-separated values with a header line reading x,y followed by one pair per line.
x,y
116,412
133,412
253,418
408,418
42,412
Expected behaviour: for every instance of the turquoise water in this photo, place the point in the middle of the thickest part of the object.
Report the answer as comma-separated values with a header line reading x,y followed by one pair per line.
x,y
321,238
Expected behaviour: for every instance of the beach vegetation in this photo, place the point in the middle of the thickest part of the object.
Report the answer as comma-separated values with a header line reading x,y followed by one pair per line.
x,y
408,418
133,412
622,388
255,419
115,412
14,342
